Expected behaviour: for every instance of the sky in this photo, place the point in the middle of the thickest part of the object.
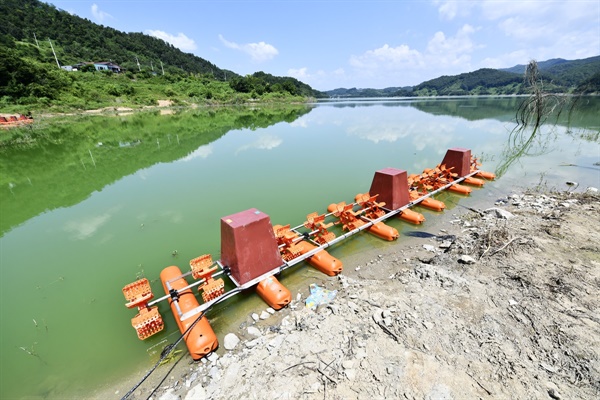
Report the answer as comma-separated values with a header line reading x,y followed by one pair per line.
x,y
331,44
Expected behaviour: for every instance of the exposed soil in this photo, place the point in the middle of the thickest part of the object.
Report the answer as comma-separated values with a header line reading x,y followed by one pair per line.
x,y
497,305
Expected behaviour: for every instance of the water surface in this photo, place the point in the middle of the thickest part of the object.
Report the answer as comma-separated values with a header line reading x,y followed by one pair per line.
x,y
90,204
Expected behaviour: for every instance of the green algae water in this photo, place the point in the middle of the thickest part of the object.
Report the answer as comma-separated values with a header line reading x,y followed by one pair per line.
x,y
92,203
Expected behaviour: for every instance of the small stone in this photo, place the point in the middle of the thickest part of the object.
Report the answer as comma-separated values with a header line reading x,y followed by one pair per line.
x,y
169,395
553,391
270,311
255,317
429,247
264,315
500,213
253,331
465,259
212,357
230,341
445,244
197,392
350,374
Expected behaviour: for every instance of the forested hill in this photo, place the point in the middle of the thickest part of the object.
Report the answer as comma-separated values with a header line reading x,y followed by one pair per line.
x,y
30,32
80,39
558,75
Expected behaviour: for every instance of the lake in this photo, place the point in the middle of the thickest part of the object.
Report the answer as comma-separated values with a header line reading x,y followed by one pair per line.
x,y
91,203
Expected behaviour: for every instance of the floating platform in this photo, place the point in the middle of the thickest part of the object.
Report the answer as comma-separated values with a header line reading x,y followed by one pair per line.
x,y
254,251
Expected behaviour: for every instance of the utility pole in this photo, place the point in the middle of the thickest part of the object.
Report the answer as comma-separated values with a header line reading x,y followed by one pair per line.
x,y
161,67
53,52
151,66
138,63
36,42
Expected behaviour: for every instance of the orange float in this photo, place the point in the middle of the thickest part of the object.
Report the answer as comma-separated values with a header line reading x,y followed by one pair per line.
x,y
433,204
474,181
490,176
350,220
201,339
322,260
412,216
274,293
460,189
384,231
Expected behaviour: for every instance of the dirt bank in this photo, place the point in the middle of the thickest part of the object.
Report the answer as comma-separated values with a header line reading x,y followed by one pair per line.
x,y
502,303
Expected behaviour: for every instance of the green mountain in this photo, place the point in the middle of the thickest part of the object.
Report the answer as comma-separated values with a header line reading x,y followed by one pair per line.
x,y
81,40
387,92
558,75
35,36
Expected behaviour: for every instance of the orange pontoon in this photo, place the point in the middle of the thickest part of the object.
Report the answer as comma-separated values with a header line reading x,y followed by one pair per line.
x,y
201,339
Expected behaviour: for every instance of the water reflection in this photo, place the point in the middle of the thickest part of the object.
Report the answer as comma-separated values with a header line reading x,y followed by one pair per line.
x,y
69,160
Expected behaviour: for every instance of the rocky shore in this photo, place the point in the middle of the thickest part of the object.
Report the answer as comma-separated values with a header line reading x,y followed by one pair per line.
x,y
502,303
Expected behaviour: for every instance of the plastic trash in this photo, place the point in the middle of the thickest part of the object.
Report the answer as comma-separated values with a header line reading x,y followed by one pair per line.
x,y
319,296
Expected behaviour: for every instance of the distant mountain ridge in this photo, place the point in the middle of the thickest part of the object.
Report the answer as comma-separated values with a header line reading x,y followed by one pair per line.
x,y
558,75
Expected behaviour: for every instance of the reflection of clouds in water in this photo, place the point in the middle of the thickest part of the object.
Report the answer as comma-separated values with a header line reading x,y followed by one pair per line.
x,y
142,174
202,152
379,133
264,142
172,216
88,226
300,123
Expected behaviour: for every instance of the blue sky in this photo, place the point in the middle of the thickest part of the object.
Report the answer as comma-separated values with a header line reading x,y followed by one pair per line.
x,y
365,44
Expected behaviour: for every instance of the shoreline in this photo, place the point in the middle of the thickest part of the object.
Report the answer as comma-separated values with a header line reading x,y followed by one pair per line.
x,y
378,285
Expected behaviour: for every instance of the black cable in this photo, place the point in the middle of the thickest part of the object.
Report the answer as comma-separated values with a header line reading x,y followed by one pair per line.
x,y
169,348
165,377
163,355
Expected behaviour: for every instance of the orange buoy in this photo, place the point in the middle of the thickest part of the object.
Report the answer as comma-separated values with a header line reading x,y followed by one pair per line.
x,y
432,204
332,207
201,339
461,189
384,231
474,181
412,216
490,176
322,260
274,293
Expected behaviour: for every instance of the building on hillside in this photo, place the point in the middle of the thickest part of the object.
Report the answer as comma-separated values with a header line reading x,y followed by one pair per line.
x,y
100,66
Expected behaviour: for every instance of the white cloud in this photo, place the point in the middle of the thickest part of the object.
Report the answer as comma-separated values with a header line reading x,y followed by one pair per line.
x,y
388,57
181,41
98,14
259,52
202,152
451,9
264,142
539,29
300,73
443,55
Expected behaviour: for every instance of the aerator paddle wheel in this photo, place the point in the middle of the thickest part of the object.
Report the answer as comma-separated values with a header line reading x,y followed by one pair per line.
x,y
316,223
148,321
201,270
371,208
286,241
